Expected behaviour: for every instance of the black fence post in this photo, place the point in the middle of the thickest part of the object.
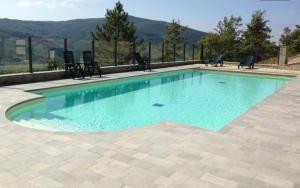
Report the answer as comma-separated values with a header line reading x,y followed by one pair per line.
x,y
149,52
201,55
163,52
30,54
116,52
133,51
193,52
174,52
278,56
93,49
184,46
66,44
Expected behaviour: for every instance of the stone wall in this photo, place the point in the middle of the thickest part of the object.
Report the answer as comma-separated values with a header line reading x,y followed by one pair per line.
x,y
23,78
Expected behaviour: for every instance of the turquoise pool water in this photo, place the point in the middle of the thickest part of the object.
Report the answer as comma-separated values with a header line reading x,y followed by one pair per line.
x,y
204,99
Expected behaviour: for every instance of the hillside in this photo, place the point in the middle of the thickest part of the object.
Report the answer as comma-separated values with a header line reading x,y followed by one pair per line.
x,y
80,29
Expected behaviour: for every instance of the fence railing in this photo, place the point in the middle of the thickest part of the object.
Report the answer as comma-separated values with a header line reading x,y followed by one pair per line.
x,y
32,54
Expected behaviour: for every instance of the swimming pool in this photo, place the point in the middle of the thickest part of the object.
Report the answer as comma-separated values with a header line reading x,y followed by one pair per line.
x,y
203,99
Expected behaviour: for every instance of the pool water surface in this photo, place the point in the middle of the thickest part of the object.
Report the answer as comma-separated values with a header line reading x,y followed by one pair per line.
x,y
203,99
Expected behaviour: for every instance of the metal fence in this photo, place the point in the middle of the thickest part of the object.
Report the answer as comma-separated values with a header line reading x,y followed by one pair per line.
x,y
20,55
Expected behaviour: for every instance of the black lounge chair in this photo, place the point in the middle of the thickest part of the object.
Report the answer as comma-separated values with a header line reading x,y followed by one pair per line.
x,y
89,64
216,60
71,66
142,62
247,61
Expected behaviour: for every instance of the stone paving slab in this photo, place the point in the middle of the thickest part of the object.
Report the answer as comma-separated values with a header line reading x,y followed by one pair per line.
x,y
259,149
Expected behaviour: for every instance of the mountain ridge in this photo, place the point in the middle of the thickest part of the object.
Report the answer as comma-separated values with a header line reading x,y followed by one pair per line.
x,y
80,29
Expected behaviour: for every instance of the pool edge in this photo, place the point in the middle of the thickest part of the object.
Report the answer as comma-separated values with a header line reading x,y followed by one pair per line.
x,y
41,97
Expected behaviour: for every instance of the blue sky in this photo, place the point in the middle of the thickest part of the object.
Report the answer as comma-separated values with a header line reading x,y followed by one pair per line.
x,y
198,14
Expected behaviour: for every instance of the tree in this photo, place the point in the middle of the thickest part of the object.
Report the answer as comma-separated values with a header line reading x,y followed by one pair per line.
x,y
174,36
225,40
212,44
117,28
256,38
285,38
295,39
230,35
291,39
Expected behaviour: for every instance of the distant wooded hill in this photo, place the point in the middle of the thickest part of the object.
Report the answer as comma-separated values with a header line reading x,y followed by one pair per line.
x,y
80,29
48,36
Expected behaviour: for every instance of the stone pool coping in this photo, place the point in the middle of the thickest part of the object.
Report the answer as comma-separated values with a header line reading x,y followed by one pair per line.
x,y
259,149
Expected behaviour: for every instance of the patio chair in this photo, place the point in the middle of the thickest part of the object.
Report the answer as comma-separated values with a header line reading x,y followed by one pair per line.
x,y
142,62
216,60
71,66
247,61
89,64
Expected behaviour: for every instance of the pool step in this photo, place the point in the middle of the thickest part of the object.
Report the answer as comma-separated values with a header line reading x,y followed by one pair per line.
x,y
45,124
37,124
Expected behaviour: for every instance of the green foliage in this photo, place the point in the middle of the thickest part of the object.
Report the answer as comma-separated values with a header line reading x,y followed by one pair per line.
x,y
226,39
119,30
211,43
256,38
8,68
104,53
117,26
285,38
233,43
174,36
124,52
174,33
142,47
52,64
291,39
230,36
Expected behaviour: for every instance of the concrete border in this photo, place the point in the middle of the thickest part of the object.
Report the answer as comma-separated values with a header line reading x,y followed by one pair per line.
x,y
23,78
258,149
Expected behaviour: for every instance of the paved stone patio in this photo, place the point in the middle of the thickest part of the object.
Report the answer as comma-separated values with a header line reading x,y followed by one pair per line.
x,y
259,149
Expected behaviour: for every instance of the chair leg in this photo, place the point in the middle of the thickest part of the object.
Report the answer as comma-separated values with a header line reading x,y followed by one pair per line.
x,y
73,74
69,71
84,68
87,69
90,72
81,71
99,70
